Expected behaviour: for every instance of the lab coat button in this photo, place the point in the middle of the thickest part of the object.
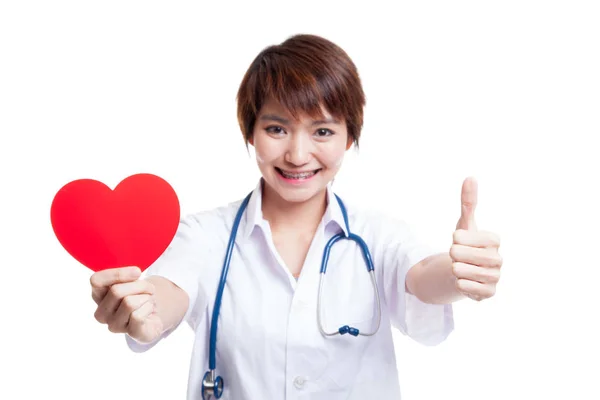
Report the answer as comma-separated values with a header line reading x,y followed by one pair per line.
x,y
299,382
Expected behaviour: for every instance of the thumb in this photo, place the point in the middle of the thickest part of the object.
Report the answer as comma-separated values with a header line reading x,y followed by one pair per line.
x,y
468,202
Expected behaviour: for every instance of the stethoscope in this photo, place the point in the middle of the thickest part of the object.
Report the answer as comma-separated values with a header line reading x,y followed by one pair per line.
x,y
212,385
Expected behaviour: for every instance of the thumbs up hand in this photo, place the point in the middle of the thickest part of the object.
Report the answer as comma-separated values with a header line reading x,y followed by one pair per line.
x,y
476,262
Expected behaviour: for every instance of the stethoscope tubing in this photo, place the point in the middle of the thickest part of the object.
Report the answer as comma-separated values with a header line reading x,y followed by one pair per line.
x,y
212,385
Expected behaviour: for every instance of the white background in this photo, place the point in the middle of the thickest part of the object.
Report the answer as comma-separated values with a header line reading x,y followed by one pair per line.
x,y
508,92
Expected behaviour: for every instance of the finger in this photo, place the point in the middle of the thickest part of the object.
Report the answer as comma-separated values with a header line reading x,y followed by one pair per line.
x,y
111,302
143,324
102,280
475,273
475,290
139,316
119,320
476,238
468,202
483,257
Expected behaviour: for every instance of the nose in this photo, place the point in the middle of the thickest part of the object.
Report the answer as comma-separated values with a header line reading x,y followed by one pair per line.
x,y
299,150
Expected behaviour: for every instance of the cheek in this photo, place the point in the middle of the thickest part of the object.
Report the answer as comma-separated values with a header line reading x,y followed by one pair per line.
x,y
259,158
264,151
333,160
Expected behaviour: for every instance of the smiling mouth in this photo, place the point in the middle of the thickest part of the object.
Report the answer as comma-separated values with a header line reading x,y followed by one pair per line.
x,y
297,175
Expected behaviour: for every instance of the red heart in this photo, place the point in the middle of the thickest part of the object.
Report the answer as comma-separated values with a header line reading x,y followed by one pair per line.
x,y
129,226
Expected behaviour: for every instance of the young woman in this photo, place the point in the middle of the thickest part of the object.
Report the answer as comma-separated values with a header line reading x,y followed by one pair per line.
x,y
286,331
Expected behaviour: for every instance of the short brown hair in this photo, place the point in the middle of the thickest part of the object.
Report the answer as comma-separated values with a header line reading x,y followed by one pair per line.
x,y
302,74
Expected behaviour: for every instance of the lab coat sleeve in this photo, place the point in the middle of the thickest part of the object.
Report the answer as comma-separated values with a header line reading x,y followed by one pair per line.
x,y
182,264
428,324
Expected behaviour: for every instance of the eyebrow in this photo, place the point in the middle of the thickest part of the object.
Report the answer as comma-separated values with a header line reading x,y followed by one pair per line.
x,y
277,118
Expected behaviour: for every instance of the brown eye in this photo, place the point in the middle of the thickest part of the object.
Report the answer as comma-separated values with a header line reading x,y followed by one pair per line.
x,y
323,132
274,129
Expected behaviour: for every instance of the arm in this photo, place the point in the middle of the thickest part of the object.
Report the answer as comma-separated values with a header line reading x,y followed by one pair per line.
x,y
432,280
405,264
171,302
178,294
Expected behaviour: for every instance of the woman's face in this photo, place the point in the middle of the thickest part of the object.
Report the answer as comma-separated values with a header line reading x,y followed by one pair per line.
x,y
298,158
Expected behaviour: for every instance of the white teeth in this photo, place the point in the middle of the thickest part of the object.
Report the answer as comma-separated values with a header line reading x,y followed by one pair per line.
x,y
302,175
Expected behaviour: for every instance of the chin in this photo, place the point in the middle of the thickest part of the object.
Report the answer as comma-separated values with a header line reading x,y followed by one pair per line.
x,y
297,196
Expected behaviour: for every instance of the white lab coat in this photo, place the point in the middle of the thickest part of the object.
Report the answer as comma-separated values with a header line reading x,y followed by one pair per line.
x,y
268,342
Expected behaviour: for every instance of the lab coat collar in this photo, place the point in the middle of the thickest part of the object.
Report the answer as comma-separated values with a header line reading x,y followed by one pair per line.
x,y
254,210
333,213
254,216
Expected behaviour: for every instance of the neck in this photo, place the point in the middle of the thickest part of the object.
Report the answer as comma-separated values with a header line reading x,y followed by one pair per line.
x,y
301,216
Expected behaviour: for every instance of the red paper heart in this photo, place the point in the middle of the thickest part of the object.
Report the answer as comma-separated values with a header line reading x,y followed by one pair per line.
x,y
129,226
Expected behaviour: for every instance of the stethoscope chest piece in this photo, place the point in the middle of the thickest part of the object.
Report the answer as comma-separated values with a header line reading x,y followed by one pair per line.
x,y
211,386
